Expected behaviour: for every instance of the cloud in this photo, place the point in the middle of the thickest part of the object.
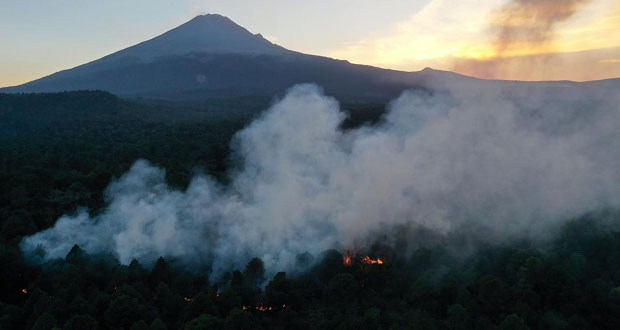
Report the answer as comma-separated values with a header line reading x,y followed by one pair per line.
x,y
513,161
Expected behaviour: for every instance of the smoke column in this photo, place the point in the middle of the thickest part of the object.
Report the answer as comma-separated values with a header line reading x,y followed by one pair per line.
x,y
522,34
439,162
530,22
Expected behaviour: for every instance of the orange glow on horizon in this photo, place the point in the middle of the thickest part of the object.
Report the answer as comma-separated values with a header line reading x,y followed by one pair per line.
x,y
470,31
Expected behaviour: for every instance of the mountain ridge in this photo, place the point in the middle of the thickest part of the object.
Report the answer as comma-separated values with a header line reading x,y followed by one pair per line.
x,y
204,33
210,55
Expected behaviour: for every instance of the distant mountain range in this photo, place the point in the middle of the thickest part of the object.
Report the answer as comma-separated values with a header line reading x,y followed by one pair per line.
x,y
211,56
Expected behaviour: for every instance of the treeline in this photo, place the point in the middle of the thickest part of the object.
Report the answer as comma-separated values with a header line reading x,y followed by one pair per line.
x,y
573,284
59,152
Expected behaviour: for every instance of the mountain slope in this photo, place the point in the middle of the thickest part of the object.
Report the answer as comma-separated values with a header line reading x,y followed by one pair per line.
x,y
207,33
212,56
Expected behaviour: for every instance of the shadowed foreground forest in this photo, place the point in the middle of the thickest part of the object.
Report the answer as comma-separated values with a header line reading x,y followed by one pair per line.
x,y
60,151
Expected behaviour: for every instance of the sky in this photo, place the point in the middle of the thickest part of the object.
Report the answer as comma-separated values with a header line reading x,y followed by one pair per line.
x,y
42,37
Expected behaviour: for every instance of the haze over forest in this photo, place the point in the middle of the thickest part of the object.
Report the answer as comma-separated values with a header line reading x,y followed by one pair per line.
x,y
209,178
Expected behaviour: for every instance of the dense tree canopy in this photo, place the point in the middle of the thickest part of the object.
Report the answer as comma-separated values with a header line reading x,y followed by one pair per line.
x,y
59,151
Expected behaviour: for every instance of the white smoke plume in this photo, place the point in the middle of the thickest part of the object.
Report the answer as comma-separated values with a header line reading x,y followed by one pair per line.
x,y
439,162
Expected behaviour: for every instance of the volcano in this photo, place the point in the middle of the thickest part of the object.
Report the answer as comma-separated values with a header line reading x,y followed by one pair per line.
x,y
211,56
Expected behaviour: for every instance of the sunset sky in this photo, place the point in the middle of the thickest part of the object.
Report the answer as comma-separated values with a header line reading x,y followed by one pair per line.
x,y
580,43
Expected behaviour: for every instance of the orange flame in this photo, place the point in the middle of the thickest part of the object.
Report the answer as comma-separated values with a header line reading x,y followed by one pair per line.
x,y
347,260
24,291
368,260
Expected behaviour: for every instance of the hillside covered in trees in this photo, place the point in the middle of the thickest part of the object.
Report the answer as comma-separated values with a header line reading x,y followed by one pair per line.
x,y
572,284
60,151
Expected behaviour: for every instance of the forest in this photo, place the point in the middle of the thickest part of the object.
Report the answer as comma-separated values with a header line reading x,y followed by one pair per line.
x,y
59,152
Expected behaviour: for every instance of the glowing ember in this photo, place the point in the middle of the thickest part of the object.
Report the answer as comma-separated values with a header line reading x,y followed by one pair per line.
x,y
368,260
187,299
260,308
24,291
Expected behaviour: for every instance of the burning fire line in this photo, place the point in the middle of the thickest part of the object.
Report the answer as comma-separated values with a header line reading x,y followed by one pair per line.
x,y
347,260
369,261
